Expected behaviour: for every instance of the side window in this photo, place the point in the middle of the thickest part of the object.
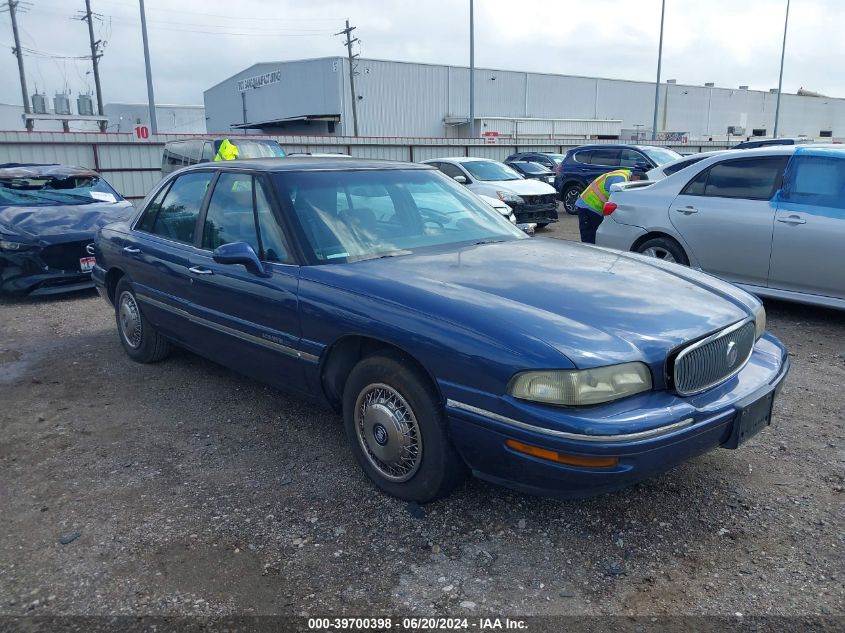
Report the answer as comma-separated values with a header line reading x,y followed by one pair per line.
x,y
584,157
274,247
695,187
150,212
230,217
630,158
606,157
452,170
207,152
749,179
177,217
815,181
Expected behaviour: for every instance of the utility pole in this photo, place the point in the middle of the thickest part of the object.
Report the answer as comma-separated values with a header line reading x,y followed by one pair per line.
x,y
780,79
150,95
349,42
472,69
659,62
12,5
95,60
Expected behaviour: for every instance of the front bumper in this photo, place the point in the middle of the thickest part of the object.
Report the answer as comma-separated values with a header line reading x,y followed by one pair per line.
x,y
25,273
649,433
545,213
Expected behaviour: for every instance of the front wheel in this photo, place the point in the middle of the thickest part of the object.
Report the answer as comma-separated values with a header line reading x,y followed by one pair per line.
x,y
139,339
570,197
396,428
664,248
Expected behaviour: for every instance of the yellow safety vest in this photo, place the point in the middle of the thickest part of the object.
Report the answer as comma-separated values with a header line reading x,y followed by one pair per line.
x,y
227,151
596,194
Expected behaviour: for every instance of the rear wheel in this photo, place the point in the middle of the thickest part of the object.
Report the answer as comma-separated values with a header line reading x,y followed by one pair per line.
x,y
396,428
138,337
569,197
664,248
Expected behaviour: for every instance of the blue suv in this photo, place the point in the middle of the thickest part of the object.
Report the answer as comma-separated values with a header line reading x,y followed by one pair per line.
x,y
584,164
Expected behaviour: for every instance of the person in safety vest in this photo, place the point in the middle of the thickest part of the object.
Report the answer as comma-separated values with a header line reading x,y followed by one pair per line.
x,y
590,203
227,151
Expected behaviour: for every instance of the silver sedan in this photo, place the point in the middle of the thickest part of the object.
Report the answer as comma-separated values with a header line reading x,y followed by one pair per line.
x,y
770,220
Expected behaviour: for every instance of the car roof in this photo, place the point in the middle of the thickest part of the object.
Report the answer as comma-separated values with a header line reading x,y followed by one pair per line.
x,y
35,170
305,163
460,159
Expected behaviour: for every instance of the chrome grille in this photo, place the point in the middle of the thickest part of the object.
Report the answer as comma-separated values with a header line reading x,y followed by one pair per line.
x,y
713,359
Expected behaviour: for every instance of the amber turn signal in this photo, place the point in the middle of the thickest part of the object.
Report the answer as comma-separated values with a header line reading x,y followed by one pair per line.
x,y
562,458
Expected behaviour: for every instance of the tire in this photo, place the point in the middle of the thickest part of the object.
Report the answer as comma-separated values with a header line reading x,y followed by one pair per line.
x,y
139,339
569,196
664,248
380,390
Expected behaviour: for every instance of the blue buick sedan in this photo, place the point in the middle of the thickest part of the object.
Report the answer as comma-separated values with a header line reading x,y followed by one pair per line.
x,y
449,340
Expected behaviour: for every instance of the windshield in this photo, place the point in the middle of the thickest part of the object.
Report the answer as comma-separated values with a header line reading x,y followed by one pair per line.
x,y
55,190
248,148
354,215
557,158
660,155
490,170
532,168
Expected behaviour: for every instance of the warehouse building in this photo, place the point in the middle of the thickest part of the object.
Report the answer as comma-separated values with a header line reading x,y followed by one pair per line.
x,y
313,96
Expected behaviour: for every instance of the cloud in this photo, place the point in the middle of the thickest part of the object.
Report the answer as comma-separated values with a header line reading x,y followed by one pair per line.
x,y
197,43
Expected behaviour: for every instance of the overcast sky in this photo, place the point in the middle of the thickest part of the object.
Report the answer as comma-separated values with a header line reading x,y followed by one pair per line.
x,y
201,42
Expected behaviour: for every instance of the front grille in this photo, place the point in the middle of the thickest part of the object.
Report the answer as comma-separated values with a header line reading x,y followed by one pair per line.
x,y
549,198
65,256
713,359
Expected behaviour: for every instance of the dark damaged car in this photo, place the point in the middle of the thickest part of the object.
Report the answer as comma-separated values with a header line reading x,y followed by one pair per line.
x,y
48,217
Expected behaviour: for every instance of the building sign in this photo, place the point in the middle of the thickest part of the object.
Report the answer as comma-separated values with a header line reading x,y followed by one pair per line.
x,y
258,81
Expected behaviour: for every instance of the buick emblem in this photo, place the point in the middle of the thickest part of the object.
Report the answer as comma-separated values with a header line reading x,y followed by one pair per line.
x,y
90,248
731,353
380,434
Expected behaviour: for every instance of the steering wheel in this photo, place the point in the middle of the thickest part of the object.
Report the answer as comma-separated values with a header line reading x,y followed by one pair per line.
x,y
430,216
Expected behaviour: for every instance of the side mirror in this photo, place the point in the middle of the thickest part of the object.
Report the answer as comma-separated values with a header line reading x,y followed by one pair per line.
x,y
460,179
239,253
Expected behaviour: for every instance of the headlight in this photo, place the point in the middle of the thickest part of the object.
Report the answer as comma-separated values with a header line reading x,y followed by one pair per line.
x,y
507,196
578,388
9,245
759,321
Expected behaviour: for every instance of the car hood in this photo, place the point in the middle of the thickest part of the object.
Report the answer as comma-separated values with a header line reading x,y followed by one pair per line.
x,y
61,222
594,306
526,187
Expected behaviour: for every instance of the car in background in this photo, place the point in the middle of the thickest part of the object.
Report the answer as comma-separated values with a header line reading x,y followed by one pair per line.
x,y
450,342
584,164
532,201
546,159
181,153
48,217
533,171
507,212
771,220
768,142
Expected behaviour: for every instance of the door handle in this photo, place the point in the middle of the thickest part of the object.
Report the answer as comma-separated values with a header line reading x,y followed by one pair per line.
x,y
792,219
201,271
687,210
131,250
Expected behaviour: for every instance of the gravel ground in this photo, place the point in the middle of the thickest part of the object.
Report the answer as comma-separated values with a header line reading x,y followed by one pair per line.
x,y
185,489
